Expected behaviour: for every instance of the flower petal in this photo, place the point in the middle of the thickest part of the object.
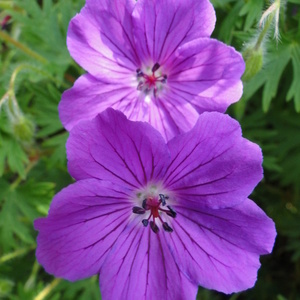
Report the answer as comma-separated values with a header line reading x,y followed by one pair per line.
x,y
89,96
112,148
220,248
207,74
100,40
141,267
161,26
212,164
174,115
84,222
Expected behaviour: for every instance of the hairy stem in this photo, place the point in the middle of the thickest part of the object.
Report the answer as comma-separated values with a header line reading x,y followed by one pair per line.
x,y
48,289
7,38
15,254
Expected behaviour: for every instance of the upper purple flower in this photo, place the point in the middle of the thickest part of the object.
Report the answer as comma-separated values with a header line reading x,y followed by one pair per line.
x,y
151,59
156,220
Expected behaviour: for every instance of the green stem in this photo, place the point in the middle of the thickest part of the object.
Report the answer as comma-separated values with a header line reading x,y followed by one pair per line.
x,y
7,38
30,283
48,289
4,99
16,183
264,32
15,254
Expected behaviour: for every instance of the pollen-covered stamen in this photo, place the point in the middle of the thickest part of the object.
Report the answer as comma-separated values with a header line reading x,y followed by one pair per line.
x,y
154,206
151,81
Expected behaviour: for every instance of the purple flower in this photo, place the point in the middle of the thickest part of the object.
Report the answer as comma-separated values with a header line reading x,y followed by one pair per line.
x,y
156,220
151,59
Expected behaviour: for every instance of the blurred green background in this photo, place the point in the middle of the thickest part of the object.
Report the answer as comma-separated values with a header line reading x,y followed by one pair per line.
x,y
35,68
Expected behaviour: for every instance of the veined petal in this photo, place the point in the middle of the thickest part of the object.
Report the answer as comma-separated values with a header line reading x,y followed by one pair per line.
x,y
212,164
100,39
220,248
176,115
207,74
110,147
90,96
161,26
141,267
84,222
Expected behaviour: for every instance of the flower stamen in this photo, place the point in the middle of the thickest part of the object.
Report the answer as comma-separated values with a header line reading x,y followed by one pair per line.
x,y
150,81
153,204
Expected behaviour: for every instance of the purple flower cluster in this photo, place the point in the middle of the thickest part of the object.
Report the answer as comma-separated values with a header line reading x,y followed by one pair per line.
x,y
158,207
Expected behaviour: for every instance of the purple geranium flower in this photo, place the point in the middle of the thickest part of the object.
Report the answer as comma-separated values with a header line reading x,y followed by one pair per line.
x,y
156,220
151,59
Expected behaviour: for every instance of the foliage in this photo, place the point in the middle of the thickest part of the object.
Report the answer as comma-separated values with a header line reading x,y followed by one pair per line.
x,y
36,68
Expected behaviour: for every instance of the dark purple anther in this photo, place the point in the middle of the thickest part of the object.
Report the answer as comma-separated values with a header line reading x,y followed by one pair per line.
x,y
140,86
145,222
163,199
138,210
154,227
144,204
155,67
166,227
139,73
172,213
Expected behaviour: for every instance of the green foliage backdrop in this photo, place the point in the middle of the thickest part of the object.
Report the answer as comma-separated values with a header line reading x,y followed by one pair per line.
x,y
35,68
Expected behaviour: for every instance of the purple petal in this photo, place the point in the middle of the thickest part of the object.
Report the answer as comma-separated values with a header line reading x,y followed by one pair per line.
x,y
100,39
220,248
212,164
89,96
175,115
161,26
206,73
112,148
84,222
142,267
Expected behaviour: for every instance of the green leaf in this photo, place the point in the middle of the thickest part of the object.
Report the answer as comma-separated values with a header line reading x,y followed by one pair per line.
x,y
228,24
272,74
294,91
58,143
253,11
13,154
12,229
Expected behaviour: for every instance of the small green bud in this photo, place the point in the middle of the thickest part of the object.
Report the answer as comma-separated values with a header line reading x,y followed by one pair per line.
x,y
254,61
23,129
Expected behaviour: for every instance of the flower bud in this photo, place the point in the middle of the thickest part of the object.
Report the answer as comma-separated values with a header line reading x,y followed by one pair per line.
x,y
254,61
23,129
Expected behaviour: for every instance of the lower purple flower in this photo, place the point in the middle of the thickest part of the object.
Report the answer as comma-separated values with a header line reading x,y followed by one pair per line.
x,y
156,220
